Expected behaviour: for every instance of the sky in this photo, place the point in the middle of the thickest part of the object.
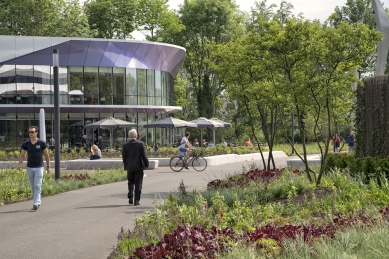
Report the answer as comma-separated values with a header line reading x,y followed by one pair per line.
x,y
311,9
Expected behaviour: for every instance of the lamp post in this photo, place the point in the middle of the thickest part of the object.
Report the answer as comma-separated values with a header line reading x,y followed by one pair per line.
x,y
56,114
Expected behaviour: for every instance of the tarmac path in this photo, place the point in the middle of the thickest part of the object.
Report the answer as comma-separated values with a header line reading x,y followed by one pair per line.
x,y
85,223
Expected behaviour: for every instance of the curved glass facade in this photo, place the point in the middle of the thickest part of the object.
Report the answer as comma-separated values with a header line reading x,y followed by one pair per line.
x,y
128,80
21,84
100,86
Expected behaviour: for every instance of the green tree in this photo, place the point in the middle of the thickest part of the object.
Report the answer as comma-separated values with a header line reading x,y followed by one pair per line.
x,y
298,66
72,22
353,11
206,22
57,18
318,64
358,11
156,21
248,82
112,18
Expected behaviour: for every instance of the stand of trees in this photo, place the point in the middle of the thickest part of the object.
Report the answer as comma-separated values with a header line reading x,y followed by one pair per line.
x,y
253,69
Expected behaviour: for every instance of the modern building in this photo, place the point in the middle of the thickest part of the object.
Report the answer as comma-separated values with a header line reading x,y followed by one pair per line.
x,y
98,78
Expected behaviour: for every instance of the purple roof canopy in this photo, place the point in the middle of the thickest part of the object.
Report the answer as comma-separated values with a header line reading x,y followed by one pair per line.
x,y
92,52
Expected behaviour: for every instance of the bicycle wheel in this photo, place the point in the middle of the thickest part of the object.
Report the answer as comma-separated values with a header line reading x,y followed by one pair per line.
x,y
176,163
199,164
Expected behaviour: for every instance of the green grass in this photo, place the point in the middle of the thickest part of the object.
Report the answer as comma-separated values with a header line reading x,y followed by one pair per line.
x,y
14,185
312,148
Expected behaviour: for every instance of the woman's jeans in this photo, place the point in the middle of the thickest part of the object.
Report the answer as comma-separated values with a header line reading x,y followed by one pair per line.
x,y
35,176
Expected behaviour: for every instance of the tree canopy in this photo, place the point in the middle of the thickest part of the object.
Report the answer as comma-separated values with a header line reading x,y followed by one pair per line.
x,y
56,18
297,66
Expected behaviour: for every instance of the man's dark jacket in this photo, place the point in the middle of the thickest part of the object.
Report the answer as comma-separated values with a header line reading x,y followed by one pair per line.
x,y
134,156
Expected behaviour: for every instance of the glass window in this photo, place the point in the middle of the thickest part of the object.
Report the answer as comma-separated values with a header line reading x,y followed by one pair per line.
x,y
42,86
24,84
120,133
151,140
131,87
142,120
7,83
118,86
63,80
169,90
74,129
150,87
163,88
104,133
64,129
158,90
9,134
75,78
105,80
91,90
142,87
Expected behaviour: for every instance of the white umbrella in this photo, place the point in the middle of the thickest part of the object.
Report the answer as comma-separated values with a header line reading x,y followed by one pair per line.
x,y
171,123
206,123
110,124
75,92
225,125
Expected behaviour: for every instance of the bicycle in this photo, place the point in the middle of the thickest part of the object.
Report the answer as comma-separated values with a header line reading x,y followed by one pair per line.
x,y
177,163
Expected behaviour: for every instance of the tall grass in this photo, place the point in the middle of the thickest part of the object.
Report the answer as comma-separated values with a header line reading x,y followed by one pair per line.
x,y
356,242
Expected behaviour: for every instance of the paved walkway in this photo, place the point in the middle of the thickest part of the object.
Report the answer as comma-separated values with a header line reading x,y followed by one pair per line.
x,y
85,223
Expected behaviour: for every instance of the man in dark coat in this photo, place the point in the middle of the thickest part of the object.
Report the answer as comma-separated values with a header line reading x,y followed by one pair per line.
x,y
134,160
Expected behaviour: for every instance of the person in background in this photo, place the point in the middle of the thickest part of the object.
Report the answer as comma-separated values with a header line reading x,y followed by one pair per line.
x,y
336,142
135,161
96,152
351,141
185,147
205,143
100,143
248,143
195,143
83,143
211,144
35,149
224,142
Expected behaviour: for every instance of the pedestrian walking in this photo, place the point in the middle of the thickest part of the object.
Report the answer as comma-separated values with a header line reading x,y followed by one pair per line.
x,y
35,149
351,141
135,161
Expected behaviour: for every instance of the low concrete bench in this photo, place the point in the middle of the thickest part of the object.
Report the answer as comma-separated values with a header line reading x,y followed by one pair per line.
x,y
102,163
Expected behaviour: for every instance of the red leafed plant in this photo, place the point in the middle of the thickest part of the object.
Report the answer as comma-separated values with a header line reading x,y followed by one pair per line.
x,y
252,175
200,242
189,242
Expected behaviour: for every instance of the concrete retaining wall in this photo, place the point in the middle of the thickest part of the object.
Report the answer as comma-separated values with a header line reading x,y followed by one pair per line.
x,y
108,163
297,163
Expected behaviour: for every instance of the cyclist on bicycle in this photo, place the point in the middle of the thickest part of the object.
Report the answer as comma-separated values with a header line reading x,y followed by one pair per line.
x,y
185,147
